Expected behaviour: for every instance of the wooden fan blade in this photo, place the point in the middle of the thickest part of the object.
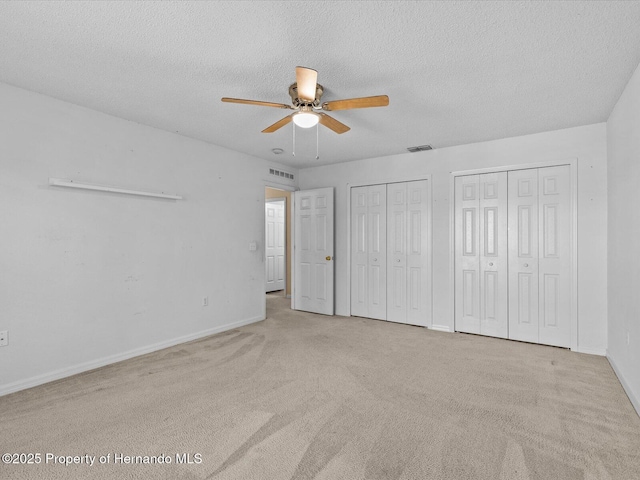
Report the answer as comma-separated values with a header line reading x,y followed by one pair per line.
x,y
332,123
279,124
363,102
256,102
306,80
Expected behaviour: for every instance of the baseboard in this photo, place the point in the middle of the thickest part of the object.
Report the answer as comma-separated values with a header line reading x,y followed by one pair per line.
x,y
632,398
440,328
93,364
592,351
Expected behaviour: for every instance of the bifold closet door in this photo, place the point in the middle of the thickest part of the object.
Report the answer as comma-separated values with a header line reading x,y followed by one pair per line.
x,y
540,255
481,284
408,279
369,251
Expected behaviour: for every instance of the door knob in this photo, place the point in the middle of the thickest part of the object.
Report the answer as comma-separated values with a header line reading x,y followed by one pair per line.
x,y
526,264
398,260
328,258
491,264
375,259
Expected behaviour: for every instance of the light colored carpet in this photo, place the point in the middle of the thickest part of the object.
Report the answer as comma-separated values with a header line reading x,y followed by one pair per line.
x,y
302,396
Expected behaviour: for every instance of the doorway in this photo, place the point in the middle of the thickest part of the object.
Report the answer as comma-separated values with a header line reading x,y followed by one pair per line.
x,y
277,242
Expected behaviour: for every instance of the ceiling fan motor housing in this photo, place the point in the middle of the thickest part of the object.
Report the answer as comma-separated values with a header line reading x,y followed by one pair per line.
x,y
293,93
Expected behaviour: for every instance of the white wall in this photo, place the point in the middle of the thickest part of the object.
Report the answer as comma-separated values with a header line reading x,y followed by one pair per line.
x,y
623,136
87,278
587,144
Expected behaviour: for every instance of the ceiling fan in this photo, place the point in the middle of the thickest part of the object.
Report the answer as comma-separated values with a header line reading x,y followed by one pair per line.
x,y
305,98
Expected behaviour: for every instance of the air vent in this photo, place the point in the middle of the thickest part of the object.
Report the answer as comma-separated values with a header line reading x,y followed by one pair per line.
x,y
279,173
420,148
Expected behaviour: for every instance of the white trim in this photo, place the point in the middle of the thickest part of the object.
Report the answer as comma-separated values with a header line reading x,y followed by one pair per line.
x,y
524,166
440,328
293,248
573,169
278,186
627,389
601,352
101,362
348,187
348,286
293,189
58,182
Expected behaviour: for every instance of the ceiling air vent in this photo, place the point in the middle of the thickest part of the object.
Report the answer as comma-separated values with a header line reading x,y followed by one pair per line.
x,y
279,173
420,148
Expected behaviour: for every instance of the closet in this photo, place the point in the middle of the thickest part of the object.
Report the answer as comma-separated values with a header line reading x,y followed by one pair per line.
x,y
513,255
390,267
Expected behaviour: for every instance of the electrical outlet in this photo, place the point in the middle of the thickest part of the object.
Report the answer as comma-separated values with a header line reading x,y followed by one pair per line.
x,y
4,338
205,301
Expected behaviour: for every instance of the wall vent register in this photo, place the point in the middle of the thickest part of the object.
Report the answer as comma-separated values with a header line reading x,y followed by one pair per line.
x,y
279,173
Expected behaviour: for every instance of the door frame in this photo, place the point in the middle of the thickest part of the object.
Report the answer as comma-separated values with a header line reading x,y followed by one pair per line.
x,y
348,187
572,162
286,264
286,188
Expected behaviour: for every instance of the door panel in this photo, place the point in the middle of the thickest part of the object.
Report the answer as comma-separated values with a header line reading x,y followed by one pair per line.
x,y
523,255
418,280
359,251
493,254
481,254
369,251
313,251
555,256
396,256
274,245
390,271
377,259
513,255
467,261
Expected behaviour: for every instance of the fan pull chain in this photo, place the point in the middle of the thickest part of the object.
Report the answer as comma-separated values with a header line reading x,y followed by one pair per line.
x,y
317,142
293,149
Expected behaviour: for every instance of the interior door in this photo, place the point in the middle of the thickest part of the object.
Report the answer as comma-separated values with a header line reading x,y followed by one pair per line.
x,y
418,271
408,274
467,256
481,267
274,245
540,256
397,252
369,251
313,251
493,255
554,283
523,255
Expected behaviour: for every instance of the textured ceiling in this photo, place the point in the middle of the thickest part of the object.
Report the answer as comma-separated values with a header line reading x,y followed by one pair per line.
x,y
455,72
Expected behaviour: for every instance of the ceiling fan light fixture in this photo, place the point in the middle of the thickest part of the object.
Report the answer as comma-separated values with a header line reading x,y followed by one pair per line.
x,y
306,119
